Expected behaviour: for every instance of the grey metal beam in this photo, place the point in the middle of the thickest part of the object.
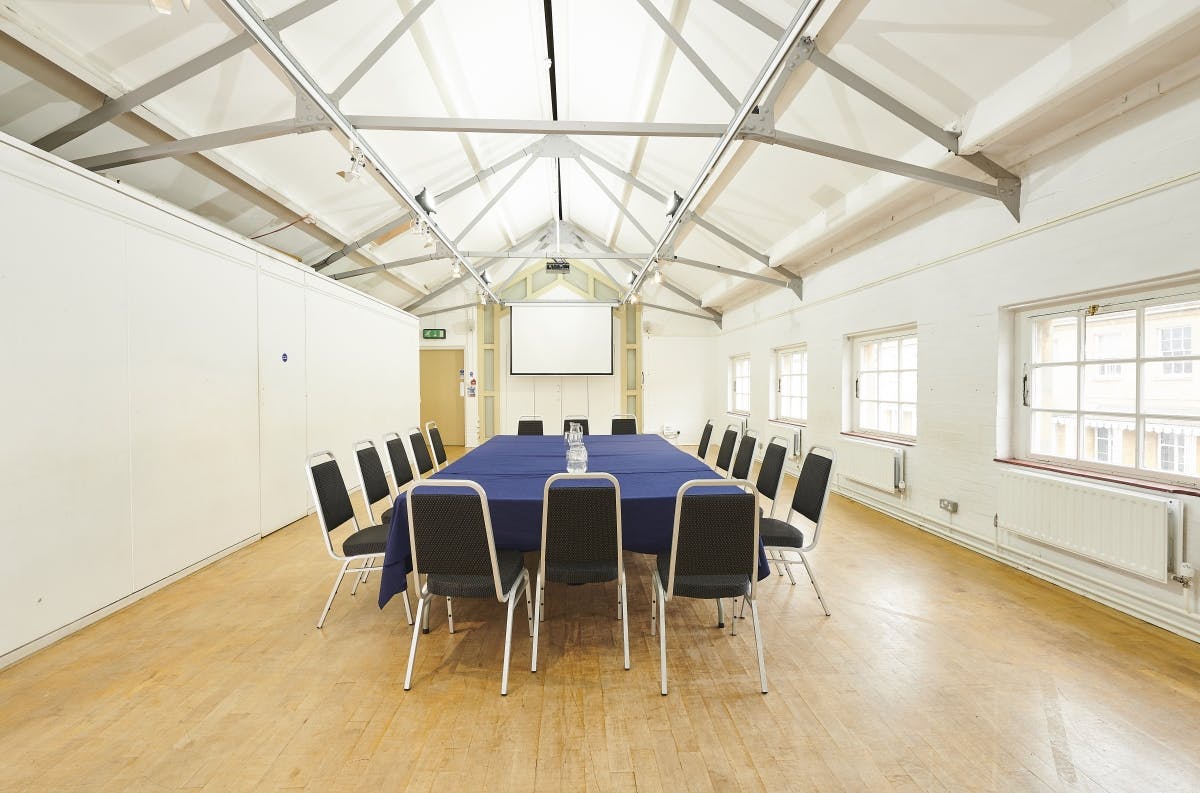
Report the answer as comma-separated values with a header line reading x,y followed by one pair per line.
x,y
665,25
515,126
304,81
727,237
381,49
378,268
624,210
459,307
165,82
1007,192
880,97
178,148
516,177
748,14
691,314
476,178
548,254
625,175
716,268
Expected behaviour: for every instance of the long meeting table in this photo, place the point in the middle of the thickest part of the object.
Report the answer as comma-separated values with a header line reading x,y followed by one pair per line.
x,y
512,470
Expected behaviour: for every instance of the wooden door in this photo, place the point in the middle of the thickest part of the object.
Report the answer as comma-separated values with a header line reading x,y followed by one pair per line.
x,y
442,395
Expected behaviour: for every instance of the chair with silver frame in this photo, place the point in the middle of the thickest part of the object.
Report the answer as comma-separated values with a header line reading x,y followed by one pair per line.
x,y
624,424
581,420
422,459
744,458
790,539
529,425
434,436
453,547
714,555
705,439
725,450
334,510
581,542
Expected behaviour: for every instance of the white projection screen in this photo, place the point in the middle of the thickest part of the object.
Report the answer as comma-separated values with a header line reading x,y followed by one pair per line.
x,y
560,338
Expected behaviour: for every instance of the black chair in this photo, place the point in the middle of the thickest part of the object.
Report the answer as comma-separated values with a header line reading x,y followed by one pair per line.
x,y
725,450
452,545
781,537
420,452
745,456
770,472
582,421
624,424
529,425
373,481
705,437
581,542
333,511
714,555
402,472
434,435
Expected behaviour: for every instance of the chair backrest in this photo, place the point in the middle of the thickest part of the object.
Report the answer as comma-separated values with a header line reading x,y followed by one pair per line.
x,y
420,452
371,475
624,424
745,456
435,442
450,530
329,494
715,533
705,437
402,471
812,488
725,451
581,518
771,471
582,421
529,425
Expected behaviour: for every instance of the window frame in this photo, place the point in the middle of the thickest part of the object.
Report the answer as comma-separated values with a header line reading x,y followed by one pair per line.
x,y
1142,363
898,333
734,360
777,414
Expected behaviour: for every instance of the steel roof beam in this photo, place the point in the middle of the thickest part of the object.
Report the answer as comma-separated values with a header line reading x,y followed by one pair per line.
x,y
691,314
380,50
516,177
749,15
701,66
378,268
515,126
624,210
271,42
178,148
165,82
716,268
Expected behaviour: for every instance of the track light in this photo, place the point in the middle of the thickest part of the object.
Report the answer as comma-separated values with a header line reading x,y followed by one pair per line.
x,y
674,203
633,297
425,201
487,279
358,162
632,277
658,276
456,270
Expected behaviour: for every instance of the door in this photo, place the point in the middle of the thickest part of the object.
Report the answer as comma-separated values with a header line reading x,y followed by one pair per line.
x,y
282,427
442,395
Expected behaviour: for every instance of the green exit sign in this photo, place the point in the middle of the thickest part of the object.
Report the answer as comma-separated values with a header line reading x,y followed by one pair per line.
x,y
433,333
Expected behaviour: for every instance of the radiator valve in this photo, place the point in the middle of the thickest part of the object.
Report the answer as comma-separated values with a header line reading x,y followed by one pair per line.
x,y
1185,575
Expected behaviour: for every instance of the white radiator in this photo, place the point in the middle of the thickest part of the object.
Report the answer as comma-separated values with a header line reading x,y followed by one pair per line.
x,y
1133,532
875,465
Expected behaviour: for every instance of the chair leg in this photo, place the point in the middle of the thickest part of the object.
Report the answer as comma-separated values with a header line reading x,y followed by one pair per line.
x,y
422,612
787,565
620,599
762,664
733,617
449,614
541,593
361,576
813,578
621,596
408,615
537,616
662,638
653,605
720,614
425,620
337,582
528,604
512,605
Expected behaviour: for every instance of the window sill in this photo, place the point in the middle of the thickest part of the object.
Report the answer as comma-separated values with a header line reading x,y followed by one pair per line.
x,y
790,423
880,439
744,414
1130,481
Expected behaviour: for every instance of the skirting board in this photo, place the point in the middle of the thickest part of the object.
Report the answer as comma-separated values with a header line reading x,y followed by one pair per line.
x,y
29,648
1175,619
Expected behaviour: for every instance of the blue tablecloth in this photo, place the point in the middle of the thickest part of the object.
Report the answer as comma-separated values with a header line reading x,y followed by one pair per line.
x,y
513,469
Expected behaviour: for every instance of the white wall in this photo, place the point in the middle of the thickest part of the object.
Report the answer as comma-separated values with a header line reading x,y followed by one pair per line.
x,y
149,422
679,375
1116,206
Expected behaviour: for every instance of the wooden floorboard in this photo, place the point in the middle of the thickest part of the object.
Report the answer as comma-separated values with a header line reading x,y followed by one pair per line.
x,y
939,670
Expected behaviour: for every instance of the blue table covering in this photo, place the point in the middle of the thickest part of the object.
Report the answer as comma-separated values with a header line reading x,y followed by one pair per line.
x,y
513,469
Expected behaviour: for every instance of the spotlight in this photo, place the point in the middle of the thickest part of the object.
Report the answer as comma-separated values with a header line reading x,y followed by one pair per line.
x,y
456,270
658,276
425,201
633,297
487,279
358,162
482,298
674,203
632,277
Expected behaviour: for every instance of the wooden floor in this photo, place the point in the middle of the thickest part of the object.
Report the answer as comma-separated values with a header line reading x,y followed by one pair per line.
x,y
939,670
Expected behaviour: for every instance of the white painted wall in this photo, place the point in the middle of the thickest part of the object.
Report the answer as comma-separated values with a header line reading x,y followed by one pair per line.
x,y
149,422
1113,207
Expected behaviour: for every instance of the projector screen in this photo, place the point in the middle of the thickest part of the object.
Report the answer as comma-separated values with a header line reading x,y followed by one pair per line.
x,y
560,338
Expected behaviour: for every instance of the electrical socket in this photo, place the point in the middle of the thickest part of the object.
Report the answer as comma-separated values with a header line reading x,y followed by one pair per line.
x,y
948,505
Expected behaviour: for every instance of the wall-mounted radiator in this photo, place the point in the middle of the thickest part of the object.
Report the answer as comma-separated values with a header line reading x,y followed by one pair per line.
x,y
1134,532
875,465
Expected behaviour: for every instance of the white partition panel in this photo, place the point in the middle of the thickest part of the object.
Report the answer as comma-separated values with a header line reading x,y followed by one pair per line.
x,y
64,413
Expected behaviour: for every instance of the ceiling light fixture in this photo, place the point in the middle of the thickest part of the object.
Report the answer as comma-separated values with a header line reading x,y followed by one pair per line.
x,y
634,297
426,201
358,163
658,276
456,270
674,203
632,277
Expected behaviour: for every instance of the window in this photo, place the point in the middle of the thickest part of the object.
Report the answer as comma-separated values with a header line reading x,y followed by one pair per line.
x,y
885,384
1114,387
791,367
739,384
